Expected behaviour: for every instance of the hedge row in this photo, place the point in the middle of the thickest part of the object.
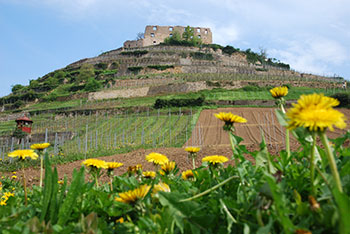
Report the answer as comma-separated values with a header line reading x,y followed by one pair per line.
x,y
161,103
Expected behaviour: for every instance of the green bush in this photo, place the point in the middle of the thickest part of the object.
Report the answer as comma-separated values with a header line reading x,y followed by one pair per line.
x,y
135,70
162,103
137,53
215,47
102,66
229,50
92,85
160,67
343,98
202,56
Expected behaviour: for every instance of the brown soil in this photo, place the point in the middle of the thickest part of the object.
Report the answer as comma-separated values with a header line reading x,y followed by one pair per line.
x,y
209,135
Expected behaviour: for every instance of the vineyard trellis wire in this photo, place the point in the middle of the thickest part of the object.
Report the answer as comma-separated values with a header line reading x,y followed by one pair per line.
x,y
86,134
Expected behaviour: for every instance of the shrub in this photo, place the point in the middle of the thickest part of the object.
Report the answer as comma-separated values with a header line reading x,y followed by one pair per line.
x,y
135,70
162,103
102,66
215,47
343,98
137,53
19,134
160,67
229,50
92,85
17,88
200,55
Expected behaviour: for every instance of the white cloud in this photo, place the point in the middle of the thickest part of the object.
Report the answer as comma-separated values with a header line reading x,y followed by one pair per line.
x,y
315,55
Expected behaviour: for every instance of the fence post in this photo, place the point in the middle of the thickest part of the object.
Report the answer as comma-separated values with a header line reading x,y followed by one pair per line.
x,y
86,139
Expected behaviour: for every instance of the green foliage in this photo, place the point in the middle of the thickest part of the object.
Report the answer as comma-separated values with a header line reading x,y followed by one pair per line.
x,y
102,66
215,47
200,55
186,39
229,50
137,53
135,70
86,72
17,88
162,103
160,67
343,98
19,134
92,85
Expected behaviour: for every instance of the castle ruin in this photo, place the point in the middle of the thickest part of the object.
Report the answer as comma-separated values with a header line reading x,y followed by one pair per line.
x,y
155,35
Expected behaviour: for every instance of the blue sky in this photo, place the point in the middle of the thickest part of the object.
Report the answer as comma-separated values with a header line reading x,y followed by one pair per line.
x,y
39,36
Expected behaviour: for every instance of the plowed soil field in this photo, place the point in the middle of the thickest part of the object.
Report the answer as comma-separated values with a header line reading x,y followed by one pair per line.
x,y
210,136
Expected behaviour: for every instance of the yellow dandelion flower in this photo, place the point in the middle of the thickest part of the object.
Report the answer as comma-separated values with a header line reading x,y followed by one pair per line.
x,y
229,119
167,167
14,173
156,158
215,159
22,154
120,220
8,194
113,165
279,92
97,163
133,196
315,112
40,146
60,182
192,149
14,177
3,203
160,187
187,174
134,169
149,174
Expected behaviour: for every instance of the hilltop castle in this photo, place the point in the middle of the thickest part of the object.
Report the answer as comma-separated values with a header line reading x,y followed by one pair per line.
x,y
155,35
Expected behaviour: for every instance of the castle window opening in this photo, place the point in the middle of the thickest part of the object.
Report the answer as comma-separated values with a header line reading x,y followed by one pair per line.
x,y
170,35
171,29
206,31
154,28
154,42
152,34
199,36
198,30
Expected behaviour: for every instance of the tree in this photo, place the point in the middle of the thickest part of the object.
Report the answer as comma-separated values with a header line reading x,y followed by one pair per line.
x,y
86,72
92,85
140,36
17,88
188,34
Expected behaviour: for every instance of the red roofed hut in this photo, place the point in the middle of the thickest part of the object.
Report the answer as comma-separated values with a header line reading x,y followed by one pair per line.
x,y
25,124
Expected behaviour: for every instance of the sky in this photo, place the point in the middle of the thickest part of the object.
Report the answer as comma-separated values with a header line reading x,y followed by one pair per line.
x,y
40,36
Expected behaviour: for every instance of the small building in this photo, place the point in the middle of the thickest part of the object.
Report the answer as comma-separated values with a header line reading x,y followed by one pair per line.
x,y
155,35
25,124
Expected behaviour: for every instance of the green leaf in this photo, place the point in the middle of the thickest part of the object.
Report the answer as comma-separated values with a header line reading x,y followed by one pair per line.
x,y
47,187
281,117
343,204
73,193
280,204
266,229
229,217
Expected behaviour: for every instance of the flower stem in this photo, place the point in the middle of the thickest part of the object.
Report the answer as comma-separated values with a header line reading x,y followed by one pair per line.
x,y
24,186
233,146
331,160
110,179
194,162
41,169
312,164
287,131
209,190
